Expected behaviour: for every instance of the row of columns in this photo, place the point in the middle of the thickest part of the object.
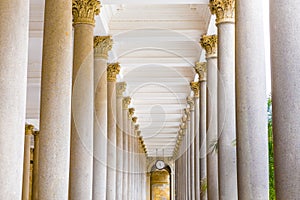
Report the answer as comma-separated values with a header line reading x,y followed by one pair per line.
x,y
235,164
58,81
81,140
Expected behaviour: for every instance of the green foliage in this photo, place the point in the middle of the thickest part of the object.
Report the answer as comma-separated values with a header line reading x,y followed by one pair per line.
x,y
271,152
203,187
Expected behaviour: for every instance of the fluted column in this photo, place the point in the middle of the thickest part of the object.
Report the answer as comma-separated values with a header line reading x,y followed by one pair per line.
x,y
102,45
224,11
54,136
126,102
121,87
113,70
285,70
13,76
26,163
195,89
201,70
81,165
209,43
35,171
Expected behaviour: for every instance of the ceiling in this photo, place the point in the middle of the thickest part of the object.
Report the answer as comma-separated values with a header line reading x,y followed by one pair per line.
x,y
157,44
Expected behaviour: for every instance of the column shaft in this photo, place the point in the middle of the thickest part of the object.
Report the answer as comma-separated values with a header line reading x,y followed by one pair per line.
x,y
81,165
200,94
112,71
252,137
188,154
126,102
35,173
129,122
119,125
111,140
81,169
13,77
285,70
191,103
125,154
227,169
102,44
210,45
54,136
196,139
26,164
203,139
197,148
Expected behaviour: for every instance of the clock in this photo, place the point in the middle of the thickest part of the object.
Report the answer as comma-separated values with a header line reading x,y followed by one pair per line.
x,y
159,164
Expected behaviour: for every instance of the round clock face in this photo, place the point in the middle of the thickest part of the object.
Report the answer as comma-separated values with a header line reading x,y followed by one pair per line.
x,y
160,164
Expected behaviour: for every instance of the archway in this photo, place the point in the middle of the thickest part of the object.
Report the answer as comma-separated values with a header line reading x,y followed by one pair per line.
x,y
160,184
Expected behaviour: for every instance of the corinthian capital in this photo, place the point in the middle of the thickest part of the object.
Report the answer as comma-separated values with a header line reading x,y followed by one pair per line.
x,y
113,69
210,44
84,11
134,119
121,87
131,112
201,70
191,102
187,112
29,129
195,87
126,102
223,9
102,45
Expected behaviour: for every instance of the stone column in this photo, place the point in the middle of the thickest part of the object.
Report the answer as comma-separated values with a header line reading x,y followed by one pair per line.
x,y
186,128
126,102
35,173
135,128
179,192
195,89
54,136
209,43
191,103
224,11
201,70
136,162
182,150
130,148
26,163
113,70
121,87
144,171
13,76
81,165
285,52
102,45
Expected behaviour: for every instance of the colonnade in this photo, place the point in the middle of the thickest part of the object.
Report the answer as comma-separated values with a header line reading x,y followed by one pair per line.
x,y
232,137
222,147
84,135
